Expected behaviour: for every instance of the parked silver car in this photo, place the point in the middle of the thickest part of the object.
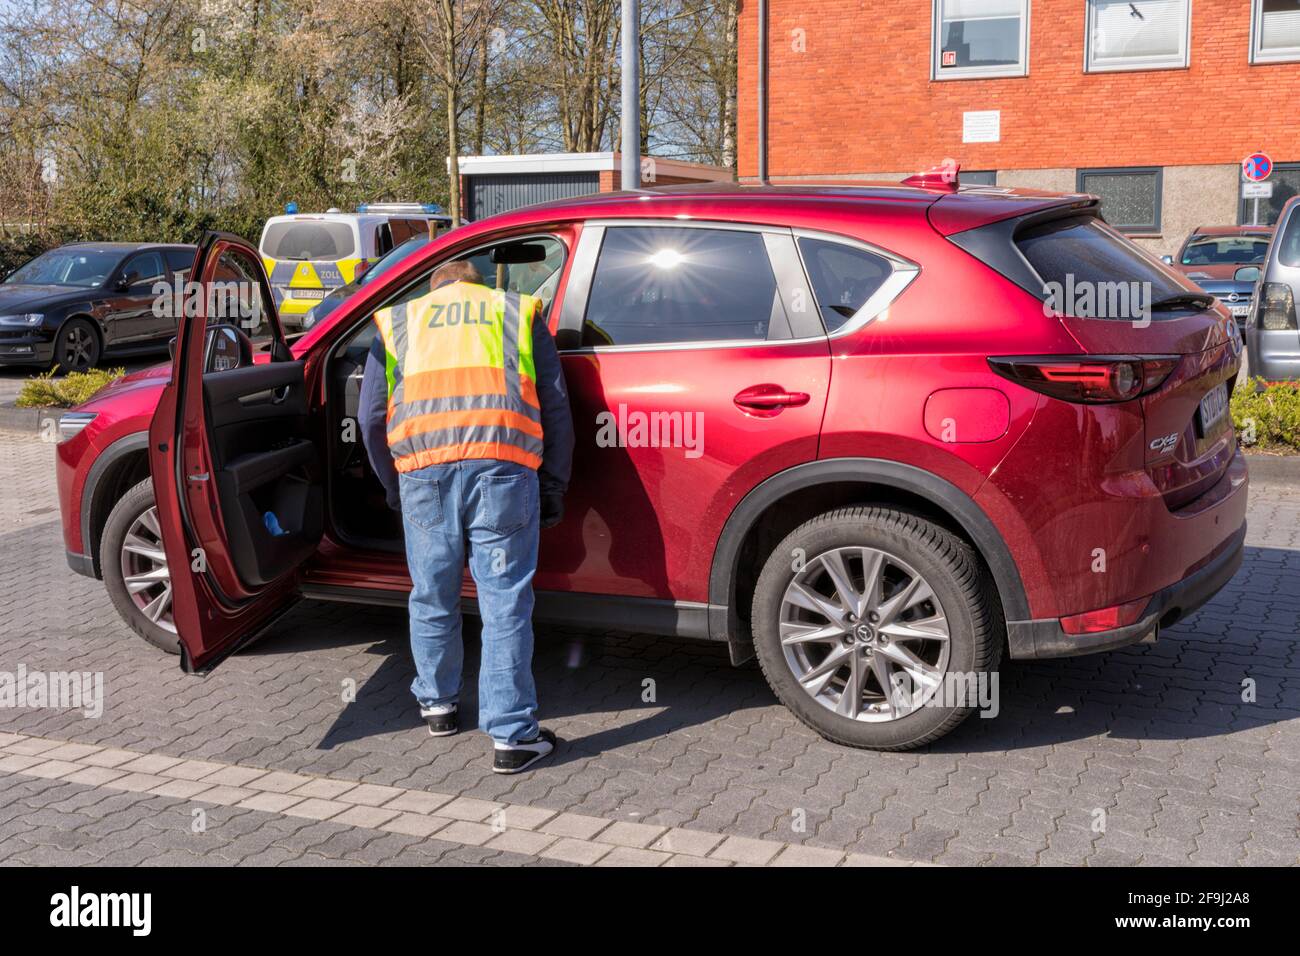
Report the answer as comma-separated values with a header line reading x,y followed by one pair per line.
x,y
1272,333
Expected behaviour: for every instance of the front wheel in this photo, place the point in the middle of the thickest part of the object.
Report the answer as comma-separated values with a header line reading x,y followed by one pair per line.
x,y
76,348
876,627
134,562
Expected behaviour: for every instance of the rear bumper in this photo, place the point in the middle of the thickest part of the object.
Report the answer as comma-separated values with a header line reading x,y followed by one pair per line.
x,y
1042,639
1274,356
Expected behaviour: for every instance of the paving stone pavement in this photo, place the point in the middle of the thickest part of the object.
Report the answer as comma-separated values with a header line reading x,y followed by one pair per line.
x,y
1146,755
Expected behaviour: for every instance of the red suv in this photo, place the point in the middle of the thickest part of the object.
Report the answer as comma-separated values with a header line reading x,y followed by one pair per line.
x,y
854,431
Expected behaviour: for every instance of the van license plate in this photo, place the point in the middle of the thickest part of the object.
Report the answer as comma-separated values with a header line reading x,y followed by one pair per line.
x,y
1214,406
308,293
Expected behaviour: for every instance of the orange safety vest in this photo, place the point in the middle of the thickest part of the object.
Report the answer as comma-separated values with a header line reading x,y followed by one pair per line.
x,y
461,379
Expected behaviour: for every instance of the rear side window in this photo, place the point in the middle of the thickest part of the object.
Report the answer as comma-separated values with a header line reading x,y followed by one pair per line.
x,y
299,240
658,285
180,261
1083,257
843,277
1288,242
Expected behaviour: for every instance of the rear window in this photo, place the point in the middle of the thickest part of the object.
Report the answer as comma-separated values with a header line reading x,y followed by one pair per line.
x,y
320,241
1094,272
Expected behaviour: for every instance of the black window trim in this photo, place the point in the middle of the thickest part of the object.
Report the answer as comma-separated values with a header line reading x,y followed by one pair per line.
x,y
1129,229
574,308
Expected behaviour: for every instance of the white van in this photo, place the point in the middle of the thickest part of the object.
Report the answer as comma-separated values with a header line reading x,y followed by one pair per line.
x,y
307,255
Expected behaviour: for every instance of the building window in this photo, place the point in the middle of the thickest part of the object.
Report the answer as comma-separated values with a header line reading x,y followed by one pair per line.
x,y
1138,34
980,38
1286,183
978,177
1274,30
1130,197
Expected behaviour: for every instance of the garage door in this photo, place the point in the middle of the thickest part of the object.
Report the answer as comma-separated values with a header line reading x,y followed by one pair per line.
x,y
489,195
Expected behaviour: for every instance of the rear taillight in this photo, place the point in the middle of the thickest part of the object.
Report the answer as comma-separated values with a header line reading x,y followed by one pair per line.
x,y
362,266
1276,307
1092,379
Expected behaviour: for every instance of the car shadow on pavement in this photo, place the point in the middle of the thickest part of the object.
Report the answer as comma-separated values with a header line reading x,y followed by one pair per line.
x,y
613,690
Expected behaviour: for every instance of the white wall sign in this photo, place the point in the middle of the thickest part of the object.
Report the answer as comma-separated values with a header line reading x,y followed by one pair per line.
x,y
981,126
1256,190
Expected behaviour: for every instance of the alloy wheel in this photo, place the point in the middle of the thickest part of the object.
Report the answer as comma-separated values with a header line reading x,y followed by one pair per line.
x,y
78,348
864,634
145,572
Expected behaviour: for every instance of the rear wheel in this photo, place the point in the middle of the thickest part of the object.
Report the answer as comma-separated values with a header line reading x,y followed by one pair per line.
x,y
76,349
874,627
134,562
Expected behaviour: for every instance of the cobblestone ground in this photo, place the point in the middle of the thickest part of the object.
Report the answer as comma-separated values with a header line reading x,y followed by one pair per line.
x,y
1148,755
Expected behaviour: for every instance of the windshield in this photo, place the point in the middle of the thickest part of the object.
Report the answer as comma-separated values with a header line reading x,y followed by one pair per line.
x,y
317,240
393,257
1226,251
68,267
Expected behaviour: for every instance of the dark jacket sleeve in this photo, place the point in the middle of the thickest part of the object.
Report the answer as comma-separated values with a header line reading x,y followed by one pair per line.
x,y
372,417
557,419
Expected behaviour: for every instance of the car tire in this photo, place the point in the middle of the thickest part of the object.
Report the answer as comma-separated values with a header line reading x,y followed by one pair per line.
x,y
131,548
810,657
77,347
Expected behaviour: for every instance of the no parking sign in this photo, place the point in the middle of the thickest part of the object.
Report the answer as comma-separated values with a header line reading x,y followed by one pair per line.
x,y
1256,167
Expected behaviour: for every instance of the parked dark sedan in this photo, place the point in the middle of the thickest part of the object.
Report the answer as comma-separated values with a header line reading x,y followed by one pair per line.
x,y
73,305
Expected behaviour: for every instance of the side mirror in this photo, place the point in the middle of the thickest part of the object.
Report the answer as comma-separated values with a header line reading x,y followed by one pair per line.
x,y
1247,274
128,280
1167,260
226,347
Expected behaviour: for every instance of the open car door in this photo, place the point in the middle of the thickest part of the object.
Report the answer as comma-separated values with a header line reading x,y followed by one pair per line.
x,y
237,480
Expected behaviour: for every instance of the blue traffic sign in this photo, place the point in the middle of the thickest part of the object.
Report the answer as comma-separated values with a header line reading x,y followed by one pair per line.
x,y
1257,167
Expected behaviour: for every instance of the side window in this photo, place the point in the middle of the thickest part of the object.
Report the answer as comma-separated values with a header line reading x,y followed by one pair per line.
x,y
404,229
180,262
383,240
147,266
235,297
528,266
531,266
661,284
843,277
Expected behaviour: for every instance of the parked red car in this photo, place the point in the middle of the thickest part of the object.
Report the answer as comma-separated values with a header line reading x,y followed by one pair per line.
x,y
835,427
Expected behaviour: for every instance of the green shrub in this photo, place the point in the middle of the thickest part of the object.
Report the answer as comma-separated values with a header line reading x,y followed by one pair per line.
x,y
1267,417
46,391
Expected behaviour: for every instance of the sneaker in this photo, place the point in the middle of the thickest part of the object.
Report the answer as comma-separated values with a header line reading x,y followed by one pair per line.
x,y
441,718
514,758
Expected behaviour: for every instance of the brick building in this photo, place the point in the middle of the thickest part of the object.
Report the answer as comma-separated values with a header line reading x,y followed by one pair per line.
x,y
1152,104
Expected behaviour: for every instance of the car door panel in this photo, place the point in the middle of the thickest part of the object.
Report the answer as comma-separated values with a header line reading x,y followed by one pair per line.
x,y
227,449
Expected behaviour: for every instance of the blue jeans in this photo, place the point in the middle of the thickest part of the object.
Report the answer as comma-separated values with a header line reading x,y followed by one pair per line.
x,y
492,505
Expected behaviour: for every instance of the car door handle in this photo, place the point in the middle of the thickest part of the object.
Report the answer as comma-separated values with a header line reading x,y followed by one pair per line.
x,y
768,400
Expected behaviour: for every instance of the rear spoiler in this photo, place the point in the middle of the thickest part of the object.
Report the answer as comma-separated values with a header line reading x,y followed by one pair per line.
x,y
992,240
